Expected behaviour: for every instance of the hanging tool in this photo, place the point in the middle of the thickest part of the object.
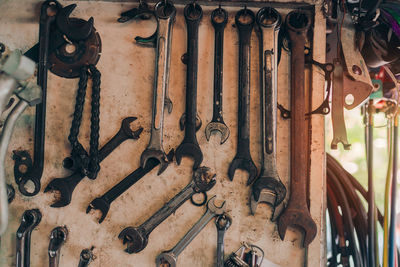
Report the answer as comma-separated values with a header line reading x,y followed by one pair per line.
x,y
247,255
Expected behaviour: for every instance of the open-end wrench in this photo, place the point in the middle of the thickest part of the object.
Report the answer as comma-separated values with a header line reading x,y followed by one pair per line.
x,y
189,146
171,256
219,18
103,203
268,187
136,238
296,213
85,258
70,30
165,15
57,239
244,21
65,186
30,219
222,222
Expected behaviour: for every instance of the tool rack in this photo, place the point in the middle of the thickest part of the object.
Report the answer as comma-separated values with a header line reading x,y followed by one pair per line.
x,y
127,80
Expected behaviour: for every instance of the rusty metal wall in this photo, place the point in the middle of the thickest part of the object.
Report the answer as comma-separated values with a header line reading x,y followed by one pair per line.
x,y
127,79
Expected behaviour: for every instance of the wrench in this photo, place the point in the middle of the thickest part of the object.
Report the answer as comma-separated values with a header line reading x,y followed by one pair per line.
x,y
165,14
30,219
222,222
296,213
67,185
244,21
189,146
136,238
57,239
171,256
85,258
268,187
219,18
103,203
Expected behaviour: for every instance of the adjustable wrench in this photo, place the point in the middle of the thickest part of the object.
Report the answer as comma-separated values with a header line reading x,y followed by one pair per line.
x,y
296,213
189,146
268,187
244,21
219,18
165,14
103,203
171,256
30,219
57,239
85,258
136,238
222,222
67,185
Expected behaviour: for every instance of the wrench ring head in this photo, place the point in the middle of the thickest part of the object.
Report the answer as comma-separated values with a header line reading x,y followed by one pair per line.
x,y
223,222
193,12
165,10
249,18
219,17
298,21
30,219
166,257
268,17
220,127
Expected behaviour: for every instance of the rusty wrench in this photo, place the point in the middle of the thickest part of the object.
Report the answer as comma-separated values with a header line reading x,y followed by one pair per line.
x,y
296,213
57,239
268,187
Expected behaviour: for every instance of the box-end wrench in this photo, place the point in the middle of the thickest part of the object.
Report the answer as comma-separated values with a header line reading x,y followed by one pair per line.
x,y
57,239
219,18
85,258
222,222
65,186
103,203
244,21
189,146
296,213
30,219
268,187
171,256
165,15
136,238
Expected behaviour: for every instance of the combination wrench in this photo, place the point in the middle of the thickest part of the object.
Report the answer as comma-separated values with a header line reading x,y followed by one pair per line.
x,y
103,203
297,213
65,186
219,19
136,238
222,222
85,258
268,187
165,15
57,239
189,146
171,256
244,21
30,219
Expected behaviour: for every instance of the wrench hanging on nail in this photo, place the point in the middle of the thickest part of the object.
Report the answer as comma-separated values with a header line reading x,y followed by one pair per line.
x,y
165,15
268,187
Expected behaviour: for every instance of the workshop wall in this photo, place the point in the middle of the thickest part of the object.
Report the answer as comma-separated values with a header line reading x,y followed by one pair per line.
x,y
126,90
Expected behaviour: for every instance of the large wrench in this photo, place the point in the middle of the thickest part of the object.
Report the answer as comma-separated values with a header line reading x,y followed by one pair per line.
x,y
171,256
165,14
67,185
189,146
244,21
296,213
222,222
268,187
137,237
57,239
30,219
219,18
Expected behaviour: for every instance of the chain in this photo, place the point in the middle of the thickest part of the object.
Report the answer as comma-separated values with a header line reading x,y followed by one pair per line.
x,y
88,165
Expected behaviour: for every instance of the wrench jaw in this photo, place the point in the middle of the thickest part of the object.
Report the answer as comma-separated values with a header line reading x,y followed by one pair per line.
x,y
220,127
65,187
189,149
72,32
126,128
166,257
159,155
243,164
134,239
101,205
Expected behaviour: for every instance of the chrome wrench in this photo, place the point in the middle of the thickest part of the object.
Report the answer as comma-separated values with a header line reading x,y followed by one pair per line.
x,y
222,222
57,239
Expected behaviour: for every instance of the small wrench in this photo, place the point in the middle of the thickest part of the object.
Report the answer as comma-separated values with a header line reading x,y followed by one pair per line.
x,y
165,15
222,222
85,258
103,203
171,256
136,238
189,146
67,185
244,21
219,18
57,239
30,219
268,187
